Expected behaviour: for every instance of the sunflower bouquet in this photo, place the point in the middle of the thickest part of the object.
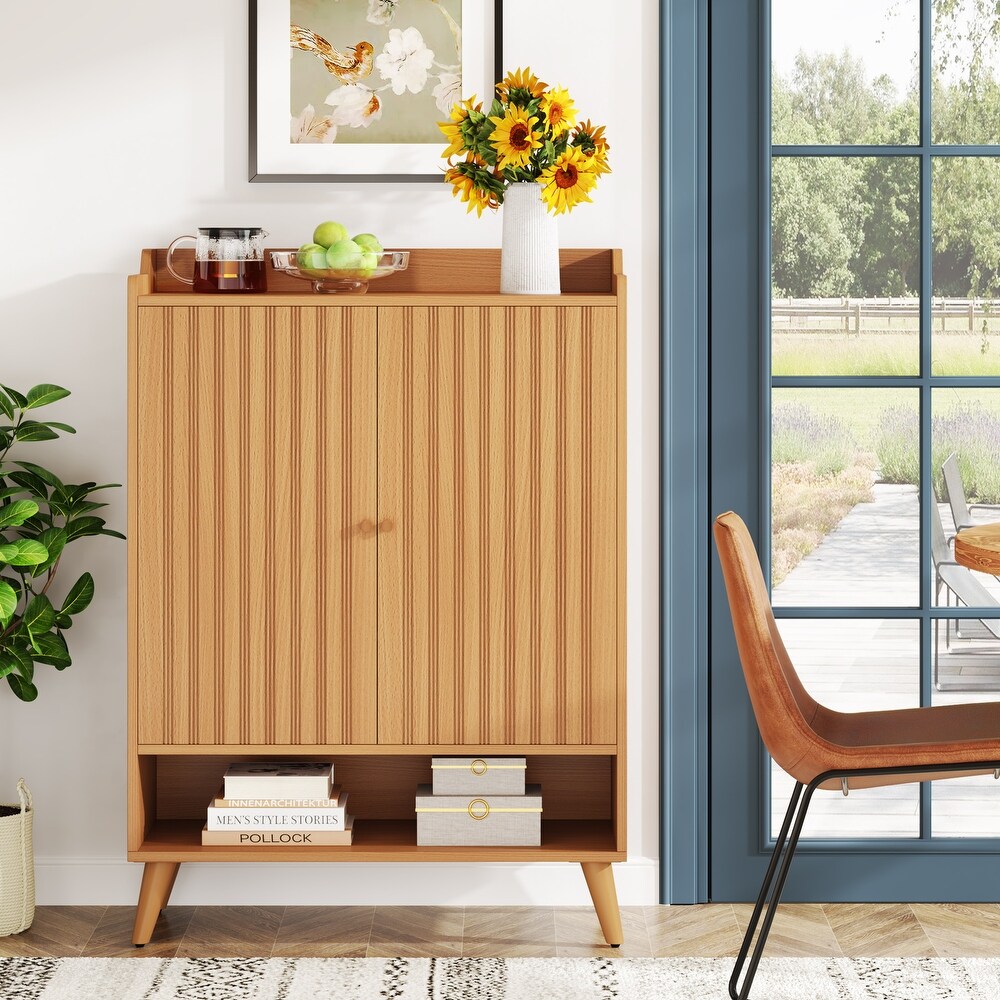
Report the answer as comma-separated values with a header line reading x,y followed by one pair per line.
x,y
530,133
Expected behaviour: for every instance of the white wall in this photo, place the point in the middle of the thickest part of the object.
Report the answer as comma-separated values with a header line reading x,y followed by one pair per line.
x,y
123,125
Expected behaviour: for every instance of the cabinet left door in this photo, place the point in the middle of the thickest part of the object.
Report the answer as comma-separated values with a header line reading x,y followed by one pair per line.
x,y
253,463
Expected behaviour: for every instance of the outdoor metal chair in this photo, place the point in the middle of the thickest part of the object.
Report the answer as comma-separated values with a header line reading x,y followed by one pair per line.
x,y
968,590
961,512
821,748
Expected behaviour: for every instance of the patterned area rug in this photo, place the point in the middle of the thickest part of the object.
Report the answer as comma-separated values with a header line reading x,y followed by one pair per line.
x,y
491,979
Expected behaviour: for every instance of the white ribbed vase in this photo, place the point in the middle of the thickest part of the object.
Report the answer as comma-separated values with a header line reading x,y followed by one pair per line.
x,y
529,257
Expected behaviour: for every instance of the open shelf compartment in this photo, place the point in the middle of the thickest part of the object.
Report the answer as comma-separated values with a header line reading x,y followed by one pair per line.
x,y
578,819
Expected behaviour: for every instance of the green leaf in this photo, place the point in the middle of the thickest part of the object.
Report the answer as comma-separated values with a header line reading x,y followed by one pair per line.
x,y
10,491
29,481
35,431
42,474
8,602
17,512
63,621
54,540
81,526
38,617
22,662
23,552
5,406
20,400
51,648
61,427
6,667
113,534
42,395
24,690
79,596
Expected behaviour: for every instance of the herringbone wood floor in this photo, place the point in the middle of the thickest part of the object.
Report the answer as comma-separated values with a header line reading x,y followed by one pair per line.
x,y
713,929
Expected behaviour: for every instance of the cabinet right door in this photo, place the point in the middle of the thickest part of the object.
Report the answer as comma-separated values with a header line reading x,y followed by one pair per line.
x,y
497,546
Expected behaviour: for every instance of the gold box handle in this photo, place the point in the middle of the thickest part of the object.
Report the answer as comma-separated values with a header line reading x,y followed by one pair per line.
x,y
479,766
479,808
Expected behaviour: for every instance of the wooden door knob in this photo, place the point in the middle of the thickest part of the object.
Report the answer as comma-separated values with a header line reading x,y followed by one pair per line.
x,y
367,528
386,524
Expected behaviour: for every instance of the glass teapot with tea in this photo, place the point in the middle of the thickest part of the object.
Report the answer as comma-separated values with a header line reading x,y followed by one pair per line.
x,y
225,260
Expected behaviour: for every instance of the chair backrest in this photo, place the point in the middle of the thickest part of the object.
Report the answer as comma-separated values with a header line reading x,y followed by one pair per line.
x,y
956,491
940,552
783,708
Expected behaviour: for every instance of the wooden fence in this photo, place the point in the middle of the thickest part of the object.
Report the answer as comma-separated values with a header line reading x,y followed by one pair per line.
x,y
854,314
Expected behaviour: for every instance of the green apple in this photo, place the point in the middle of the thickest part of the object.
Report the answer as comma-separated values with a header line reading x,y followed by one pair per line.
x,y
328,233
369,259
367,241
344,255
311,256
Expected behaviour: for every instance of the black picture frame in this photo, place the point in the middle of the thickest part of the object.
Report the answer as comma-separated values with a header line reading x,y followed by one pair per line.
x,y
255,177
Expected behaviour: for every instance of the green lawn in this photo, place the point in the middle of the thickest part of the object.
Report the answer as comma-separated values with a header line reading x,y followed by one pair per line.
x,y
827,353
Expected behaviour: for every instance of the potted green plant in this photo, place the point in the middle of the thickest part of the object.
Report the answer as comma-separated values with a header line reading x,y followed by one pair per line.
x,y
40,516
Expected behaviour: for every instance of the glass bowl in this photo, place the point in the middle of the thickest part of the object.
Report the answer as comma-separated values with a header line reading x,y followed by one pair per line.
x,y
328,279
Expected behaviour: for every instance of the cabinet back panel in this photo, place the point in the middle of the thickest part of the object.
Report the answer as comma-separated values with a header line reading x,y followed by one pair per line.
x,y
498,477
256,574
384,787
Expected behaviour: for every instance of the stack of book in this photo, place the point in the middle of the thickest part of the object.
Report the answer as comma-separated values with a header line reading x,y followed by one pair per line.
x,y
281,804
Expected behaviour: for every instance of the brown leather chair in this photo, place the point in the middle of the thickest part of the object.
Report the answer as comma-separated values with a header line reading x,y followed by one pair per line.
x,y
821,748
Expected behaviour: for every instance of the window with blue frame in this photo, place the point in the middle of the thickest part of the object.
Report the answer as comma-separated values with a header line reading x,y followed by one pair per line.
x,y
884,360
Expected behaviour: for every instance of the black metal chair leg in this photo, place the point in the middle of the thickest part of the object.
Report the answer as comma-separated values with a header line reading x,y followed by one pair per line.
x,y
783,851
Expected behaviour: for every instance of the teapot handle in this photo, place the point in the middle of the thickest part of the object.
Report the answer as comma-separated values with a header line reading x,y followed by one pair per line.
x,y
170,251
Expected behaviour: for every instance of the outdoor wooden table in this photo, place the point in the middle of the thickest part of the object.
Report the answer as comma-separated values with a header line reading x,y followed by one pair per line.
x,y
979,548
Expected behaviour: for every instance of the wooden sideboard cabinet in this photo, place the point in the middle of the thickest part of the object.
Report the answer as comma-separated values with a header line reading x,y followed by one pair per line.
x,y
372,528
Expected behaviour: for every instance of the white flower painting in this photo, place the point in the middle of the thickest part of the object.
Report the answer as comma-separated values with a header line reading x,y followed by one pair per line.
x,y
310,127
382,71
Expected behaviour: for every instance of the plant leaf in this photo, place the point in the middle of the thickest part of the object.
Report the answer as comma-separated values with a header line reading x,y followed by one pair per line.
x,y
61,427
51,648
42,474
35,432
113,533
39,617
17,512
42,395
5,406
54,540
20,400
81,526
29,481
24,690
79,596
23,552
8,602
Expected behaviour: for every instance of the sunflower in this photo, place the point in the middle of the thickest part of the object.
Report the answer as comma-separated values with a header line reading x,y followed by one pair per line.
x,y
590,138
514,138
560,112
520,87
453,129
465,185
566,183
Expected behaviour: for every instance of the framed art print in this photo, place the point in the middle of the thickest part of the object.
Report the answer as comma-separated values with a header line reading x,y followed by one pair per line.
x,y
353,89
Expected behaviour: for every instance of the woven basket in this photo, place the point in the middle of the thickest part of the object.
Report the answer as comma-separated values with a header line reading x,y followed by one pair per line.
x,y
17,866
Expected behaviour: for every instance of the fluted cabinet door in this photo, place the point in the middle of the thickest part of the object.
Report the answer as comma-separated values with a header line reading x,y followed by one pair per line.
x,y
255,499
498,523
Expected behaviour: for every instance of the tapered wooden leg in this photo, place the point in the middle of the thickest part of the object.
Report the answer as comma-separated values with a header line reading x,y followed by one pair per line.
x,y
157,881
170,888
601,883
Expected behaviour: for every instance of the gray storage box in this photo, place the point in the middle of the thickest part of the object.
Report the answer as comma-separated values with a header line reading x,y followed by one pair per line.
x,y
478,775
482,821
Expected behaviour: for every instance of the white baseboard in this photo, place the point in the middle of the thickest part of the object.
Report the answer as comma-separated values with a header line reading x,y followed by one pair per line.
x,y
111,882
